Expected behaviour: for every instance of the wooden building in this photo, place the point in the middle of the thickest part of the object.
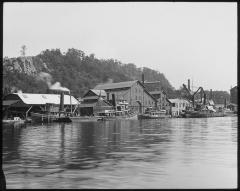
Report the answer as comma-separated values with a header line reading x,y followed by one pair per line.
x,y
162,100
155,89
132,92
21,104
178,105
234,95
94,101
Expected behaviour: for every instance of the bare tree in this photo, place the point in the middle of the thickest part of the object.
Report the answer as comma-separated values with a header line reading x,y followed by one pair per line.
x,y
23,50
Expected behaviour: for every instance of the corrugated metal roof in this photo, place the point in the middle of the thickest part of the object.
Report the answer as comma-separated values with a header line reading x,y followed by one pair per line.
x,y
42,99
106,86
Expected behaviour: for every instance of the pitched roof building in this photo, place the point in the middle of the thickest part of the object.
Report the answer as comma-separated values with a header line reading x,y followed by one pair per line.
x,y
37,99
21,104
133,92
94,102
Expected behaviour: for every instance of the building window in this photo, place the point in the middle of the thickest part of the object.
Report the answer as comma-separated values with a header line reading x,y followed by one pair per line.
x,y
173,104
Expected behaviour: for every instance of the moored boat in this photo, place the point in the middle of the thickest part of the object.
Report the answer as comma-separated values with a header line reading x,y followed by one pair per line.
x,y
85,118
122,112
43,117
207,111
153,114
15,121
229,112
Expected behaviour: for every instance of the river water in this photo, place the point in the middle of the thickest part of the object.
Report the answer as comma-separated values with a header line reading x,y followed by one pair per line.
x,y
168,153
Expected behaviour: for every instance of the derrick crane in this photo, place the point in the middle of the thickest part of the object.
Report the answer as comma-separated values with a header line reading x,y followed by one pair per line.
x,y
192,95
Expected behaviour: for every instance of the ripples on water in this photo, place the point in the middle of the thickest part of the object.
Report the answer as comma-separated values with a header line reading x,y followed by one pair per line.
x,y
168,153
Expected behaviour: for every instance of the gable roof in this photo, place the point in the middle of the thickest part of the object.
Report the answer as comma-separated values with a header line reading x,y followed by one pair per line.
x,y
117,85
42,99
98,92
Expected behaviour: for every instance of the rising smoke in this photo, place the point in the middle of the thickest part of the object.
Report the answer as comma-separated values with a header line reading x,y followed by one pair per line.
x,y
57,86
46,77
110,80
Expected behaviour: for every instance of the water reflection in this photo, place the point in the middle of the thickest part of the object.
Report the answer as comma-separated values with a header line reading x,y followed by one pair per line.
x,y
143,154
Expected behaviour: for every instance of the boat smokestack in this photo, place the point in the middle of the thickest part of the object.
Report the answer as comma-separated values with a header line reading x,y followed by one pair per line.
x,y
225,102
113,100
189,84
61,108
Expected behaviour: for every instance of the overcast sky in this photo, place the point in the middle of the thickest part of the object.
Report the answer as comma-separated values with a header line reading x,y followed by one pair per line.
x,y
181,40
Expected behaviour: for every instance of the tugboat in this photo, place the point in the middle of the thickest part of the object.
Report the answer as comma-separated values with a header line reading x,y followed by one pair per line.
x,y
151,113
51,114
15,121
122,111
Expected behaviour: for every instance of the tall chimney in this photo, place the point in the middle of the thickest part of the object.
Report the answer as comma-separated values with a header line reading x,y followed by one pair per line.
x,y
189,84
113,100
201,94
204,99
211,96
225,102
61,108
143,78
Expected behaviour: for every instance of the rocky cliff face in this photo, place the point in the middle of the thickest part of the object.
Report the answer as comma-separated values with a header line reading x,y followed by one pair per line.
x,y
28,65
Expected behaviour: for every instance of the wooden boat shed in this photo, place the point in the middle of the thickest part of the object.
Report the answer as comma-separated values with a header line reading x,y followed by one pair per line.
x,y
94,101
20,104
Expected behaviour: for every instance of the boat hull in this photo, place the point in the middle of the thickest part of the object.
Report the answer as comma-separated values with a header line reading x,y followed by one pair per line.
x,y
83,119
203,114
43,118
13,122
146,116
125,117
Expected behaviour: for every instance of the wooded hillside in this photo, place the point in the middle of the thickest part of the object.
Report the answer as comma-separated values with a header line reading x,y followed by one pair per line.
x,y
73,69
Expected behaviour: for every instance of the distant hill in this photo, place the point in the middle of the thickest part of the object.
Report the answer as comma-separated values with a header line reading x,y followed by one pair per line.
x,y
73,69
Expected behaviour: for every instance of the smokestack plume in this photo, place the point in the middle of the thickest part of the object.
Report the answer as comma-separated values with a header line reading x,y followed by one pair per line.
x,y
189,84
46,77
57,86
